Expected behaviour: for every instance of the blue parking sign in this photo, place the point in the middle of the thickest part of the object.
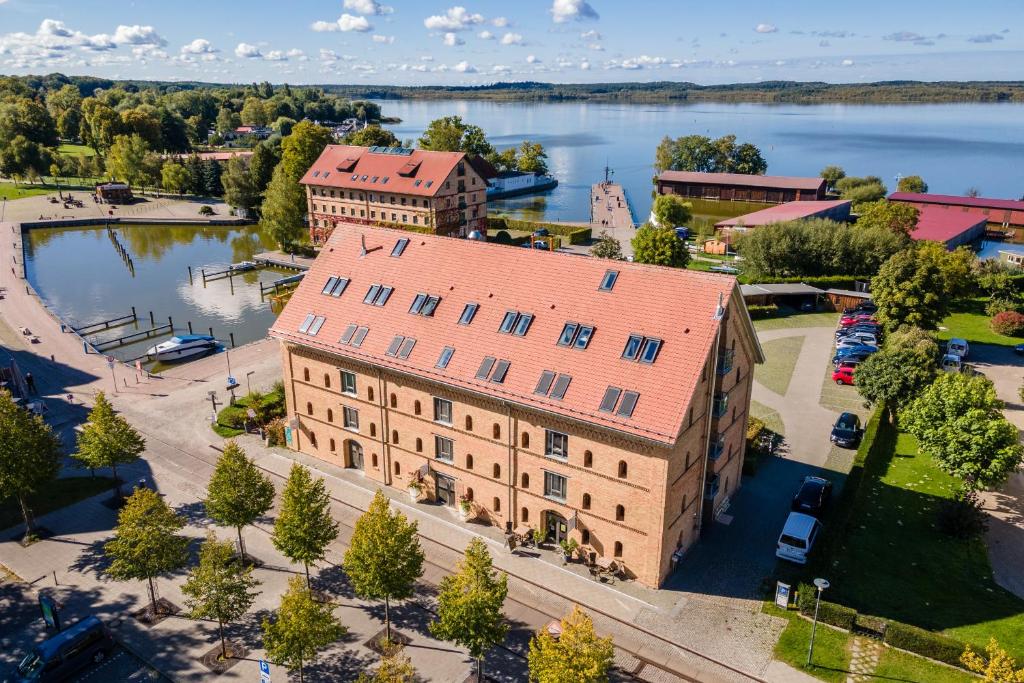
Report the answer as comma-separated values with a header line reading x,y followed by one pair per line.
x,y
264,667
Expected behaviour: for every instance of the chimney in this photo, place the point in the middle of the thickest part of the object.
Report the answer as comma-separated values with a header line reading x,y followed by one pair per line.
x,y
720,309
362,245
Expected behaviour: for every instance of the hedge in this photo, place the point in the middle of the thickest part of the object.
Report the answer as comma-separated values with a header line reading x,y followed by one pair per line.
x,y
821,282
926,643
577,234
828,612
759,312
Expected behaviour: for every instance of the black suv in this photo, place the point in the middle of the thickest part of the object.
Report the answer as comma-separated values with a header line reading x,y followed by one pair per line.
x,y
813,496
846,432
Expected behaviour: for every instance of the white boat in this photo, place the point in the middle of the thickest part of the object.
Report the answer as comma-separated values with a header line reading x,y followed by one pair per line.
x,y
181,347
243,265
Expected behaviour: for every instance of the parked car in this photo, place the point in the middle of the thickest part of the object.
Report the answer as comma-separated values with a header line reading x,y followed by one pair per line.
x,y
843,375
958,347
812,496
65,654
848,363
797,537
808,306
858,339
848,320
855,332
951,363
867,306
847,431
852,354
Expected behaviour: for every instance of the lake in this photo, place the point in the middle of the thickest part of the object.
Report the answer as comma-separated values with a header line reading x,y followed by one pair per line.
x,y
953,146
81,276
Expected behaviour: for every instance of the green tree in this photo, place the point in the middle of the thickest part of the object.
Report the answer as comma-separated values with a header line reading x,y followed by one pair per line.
x,y
958,422
265,157
144,122
227,121
304,527
65,106
300,628
861,190
254,113
238,493
372,136
107,440
174,177
384,558
283,125
910,289
126,159
450,134
469,605
997,666
300,149
505,160
660,247
607,247
393,668
912,183
578,655
283,209
894,377
146,543
900,218
670,210
239,187
532,158
23,157
832,175
702,154
30,455
219,588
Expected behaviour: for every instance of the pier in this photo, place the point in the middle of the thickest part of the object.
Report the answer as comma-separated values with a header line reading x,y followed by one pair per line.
x,y
157,331
276,285
99,326
279,259
609,208
228,272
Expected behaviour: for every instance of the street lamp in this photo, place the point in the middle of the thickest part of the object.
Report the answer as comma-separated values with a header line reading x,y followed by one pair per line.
x,y
821,585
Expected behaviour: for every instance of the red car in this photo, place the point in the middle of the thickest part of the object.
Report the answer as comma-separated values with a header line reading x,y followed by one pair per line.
x,y
843,374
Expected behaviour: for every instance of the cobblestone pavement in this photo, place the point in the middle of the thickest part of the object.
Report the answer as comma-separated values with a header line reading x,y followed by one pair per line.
x,y
864,655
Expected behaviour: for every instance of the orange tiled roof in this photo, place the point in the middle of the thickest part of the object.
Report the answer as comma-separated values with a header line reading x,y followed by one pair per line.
x,y
676,306
419,173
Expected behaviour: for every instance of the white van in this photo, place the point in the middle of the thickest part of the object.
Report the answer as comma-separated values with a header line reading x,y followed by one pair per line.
x,y
958,348
797,537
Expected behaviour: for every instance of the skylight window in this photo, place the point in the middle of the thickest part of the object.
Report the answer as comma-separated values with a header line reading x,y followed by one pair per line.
x,y
568,334
400,246
360,335
331,281
378,295
417,304
445,357
516,323
371,294
608,281
633,344
561,384
326,173
335,285
424,304
628,404
650,350
407,347
346,336
485,367
611,399
467,314
500,370
419,181
429,183
395,344
583,337
304,327
544,383
316,174
508,323
318,322
431,305
355,176
374,179
523,325
384,180
575,335
363,178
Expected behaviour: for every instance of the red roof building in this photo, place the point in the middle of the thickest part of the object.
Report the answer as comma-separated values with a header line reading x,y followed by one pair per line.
x,y
949,226
437,192
837,210
606,400
741,187
1008,213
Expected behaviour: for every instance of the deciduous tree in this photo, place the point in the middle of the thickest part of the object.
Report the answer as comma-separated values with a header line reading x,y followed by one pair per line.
x,y
532,158
283,209
29,455
607,247
861,190
174,177
384,558
300,149
393,668
912,183
910,289
372,136
578,655
900,218
126,159
239,189
670,211
238,493
660,247
146,543
894,376
219,588
997,666
107,440
469,605
832,175
304,527
450,134
300,628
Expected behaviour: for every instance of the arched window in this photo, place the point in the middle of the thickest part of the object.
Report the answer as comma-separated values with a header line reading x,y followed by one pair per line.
x,y
312,439
622,469
618,549
585,536
469,423
419,445
416,407
586,501
309,408
331,443
373,429
497,471
330,416
394,401
524,515
496,431
469,494
398,469
305,374
497,504
369,393
394,436
373,459
620,513
469,461
588,459
525,481
525,439
327,380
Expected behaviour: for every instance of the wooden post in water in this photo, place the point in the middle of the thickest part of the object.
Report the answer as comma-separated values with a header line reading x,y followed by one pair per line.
x,y
152,320
211,331
232,335
190,327
135,317
170,323
190,275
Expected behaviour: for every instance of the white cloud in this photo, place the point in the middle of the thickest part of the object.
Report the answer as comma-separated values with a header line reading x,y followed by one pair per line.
x,y
572,10
635,63
766,28
426,58
465,67
296,53
328,55
199,46
985,38
324,26
367,7
454,19
585,65
500,69
345,23
597,47
512,39
532,59
137,35
451,40
500,22
485,35
275,56
377,38
248,51
848,62
590,35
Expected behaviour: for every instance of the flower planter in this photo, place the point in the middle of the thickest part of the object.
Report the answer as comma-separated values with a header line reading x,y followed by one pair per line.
x,y
464,513
414,493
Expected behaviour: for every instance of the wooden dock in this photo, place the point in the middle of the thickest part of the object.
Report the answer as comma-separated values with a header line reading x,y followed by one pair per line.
x,y
609,208
279,259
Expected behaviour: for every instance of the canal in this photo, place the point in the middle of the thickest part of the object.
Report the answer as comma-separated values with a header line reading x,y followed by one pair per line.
x,y
83,277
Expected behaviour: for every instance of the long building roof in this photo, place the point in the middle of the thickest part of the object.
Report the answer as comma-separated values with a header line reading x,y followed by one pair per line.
x,y
938,224
953,200
677,307
743,180
395,170
790,211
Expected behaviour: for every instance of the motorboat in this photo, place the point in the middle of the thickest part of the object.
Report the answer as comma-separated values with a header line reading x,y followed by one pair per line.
x,y
243,266
181,347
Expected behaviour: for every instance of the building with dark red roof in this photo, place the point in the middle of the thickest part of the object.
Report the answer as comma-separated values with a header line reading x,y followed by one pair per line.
x,y
833,209
951,227
434,192
598,400
1007,213
740,187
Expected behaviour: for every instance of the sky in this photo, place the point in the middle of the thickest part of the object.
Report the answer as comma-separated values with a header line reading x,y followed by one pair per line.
x,y
431,42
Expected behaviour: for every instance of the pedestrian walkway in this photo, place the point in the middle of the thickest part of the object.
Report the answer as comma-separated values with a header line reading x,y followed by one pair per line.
x,y
864,656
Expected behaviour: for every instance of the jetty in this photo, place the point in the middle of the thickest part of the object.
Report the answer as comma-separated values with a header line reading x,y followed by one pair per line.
x,y
609,208
279,259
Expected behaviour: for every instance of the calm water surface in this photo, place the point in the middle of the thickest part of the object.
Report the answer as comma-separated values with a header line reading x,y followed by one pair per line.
x,y
82,277
953,146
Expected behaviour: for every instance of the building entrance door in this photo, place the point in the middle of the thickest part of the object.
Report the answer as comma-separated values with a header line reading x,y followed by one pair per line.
x,y
355,456
445,490
556,526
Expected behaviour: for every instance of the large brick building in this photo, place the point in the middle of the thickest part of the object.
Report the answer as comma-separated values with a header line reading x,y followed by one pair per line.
x,y
439,192
601,400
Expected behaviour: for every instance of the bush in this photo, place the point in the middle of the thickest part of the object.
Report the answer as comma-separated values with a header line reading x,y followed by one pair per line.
x,y
205,210
502,237
820,281
997,306
1009,323
755,428
874,625
962,517
232,416
275,433
925,643
760,312
577,234
828,612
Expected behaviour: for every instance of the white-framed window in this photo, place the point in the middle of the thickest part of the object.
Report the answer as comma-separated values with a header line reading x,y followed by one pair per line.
x,y
555,486
348,382
556,444
442,410
444,449
350,418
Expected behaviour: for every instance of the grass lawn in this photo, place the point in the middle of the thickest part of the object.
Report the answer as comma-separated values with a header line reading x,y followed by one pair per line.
x,y
771,418
21,190
831,647
62,492
825,319
895,665
76,150
896,564
780,362
969,321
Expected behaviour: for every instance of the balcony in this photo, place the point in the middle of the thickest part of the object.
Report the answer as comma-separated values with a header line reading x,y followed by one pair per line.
x,y
711,488
720,405
716,448
725,362
462,204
